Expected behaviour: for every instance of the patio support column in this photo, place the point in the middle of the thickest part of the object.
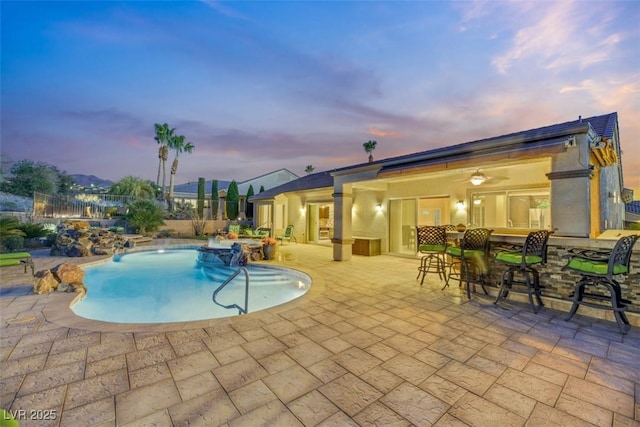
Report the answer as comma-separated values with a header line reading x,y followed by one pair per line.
x,y
342,240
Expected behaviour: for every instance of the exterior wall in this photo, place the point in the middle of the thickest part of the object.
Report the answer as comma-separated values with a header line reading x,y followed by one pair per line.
x,y
435,187
298,211
610,203
297,217
456,186
184,227
368,220
571,195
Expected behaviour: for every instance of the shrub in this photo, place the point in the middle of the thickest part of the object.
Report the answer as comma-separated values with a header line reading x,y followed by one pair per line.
x,y
232,200
144,216
111,212
164,234
10,226
12,243
51,239
33,230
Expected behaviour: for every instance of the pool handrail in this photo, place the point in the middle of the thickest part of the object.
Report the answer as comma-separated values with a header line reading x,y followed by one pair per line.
x,y
246,291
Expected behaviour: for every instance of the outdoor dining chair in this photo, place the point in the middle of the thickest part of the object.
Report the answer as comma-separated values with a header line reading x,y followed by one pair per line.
x,y
597,270
471,258
523,261
432,243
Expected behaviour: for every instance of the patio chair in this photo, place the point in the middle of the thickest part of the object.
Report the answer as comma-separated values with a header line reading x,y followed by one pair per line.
x,y
432,243
597,270
470,258
522,260
288,235
17,258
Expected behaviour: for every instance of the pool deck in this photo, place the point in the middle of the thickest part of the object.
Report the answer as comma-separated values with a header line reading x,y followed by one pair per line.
x,y
366,346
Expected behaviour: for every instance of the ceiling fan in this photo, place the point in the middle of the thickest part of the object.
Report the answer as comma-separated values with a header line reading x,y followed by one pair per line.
x,y
479,178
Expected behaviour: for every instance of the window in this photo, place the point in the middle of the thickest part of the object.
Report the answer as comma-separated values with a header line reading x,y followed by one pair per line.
x,y
519,209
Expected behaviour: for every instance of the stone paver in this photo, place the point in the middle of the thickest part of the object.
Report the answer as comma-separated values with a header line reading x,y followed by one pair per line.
x,y
367,346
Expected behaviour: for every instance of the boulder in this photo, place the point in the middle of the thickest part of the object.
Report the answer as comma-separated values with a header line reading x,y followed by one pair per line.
x,y
44,281
77,250
97,250
68,273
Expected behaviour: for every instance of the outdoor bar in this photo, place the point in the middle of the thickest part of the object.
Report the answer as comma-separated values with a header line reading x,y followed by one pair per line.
x,y
558,285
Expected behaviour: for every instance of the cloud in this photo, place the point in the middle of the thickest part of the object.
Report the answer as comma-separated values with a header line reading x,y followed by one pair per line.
x,y
559,35
384,133
224,10
584,85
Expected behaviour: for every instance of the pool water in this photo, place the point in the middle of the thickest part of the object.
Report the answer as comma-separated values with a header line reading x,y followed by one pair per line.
x,y
167,286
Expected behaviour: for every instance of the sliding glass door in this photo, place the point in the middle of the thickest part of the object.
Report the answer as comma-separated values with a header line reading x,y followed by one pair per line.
x,y
402,226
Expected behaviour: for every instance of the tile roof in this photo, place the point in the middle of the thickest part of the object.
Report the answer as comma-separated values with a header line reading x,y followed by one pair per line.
x,y
633,207
269,180
309,182
603,125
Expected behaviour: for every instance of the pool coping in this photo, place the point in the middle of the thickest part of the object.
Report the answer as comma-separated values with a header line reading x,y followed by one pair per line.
x,y
58,309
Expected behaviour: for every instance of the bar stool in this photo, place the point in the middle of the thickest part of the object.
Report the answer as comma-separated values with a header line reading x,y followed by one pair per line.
x,y
471,257
432,243
597,269
533,252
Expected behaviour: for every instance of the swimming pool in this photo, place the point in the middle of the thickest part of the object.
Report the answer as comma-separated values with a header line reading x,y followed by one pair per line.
x,y
167,286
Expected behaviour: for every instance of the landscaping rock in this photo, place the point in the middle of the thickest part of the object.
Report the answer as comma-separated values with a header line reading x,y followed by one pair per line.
x,y
72,242
62,278
44,281
68,273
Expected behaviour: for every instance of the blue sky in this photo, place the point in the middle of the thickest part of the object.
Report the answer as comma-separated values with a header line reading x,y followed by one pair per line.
x,y
257,86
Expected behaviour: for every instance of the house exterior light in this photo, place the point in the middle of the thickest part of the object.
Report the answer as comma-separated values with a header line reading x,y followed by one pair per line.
x,y
478,178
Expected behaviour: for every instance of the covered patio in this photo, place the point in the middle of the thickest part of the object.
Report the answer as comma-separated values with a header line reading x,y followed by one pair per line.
x,y
366,346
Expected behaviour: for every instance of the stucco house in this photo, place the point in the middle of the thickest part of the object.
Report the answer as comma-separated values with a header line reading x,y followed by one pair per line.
x,y
188,193
566,177
632,213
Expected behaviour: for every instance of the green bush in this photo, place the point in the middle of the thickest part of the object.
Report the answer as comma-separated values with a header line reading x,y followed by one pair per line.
x,y
33,230
144,216
634,226
51,239
13,243
111,212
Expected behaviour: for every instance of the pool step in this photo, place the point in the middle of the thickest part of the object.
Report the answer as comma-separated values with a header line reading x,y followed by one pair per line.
x,y
256,276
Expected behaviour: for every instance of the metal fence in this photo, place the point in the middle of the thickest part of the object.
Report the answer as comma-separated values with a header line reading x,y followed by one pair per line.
x,y
94,206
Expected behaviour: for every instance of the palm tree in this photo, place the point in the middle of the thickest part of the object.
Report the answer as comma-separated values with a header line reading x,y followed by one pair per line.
x,y
163,135
309,169
134,187
177,144
10,226
369,146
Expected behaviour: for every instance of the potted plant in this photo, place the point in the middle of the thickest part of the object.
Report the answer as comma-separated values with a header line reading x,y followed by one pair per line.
x,y
269,246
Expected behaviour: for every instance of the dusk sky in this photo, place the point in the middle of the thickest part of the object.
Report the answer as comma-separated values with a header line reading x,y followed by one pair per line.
x,y
258,86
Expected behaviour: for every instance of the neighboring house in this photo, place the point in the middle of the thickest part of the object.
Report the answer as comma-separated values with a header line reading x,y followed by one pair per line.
x,y
632,213
188,193
566,177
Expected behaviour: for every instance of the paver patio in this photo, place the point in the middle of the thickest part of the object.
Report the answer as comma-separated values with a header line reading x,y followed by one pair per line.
x,y
366,346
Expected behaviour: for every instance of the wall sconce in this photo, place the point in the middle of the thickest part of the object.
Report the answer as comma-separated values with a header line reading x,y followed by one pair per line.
x,y
460,204
302,210
379,207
